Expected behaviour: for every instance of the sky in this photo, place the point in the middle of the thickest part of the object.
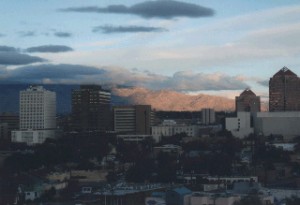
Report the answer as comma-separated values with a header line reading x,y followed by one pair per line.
x,y
193,46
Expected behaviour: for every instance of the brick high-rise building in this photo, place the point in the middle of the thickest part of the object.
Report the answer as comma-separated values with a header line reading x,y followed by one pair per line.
x,y
91,108
284,91
247,102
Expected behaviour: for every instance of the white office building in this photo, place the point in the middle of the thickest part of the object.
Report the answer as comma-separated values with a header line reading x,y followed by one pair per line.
x,y
37,116
241,125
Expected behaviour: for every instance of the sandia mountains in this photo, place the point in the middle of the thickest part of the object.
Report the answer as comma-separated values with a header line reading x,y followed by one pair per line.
x,y
160,100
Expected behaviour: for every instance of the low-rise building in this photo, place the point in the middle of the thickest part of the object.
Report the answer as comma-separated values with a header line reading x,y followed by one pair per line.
x,y
290,147
233,179
167,129
31,137
169,149
200,198
136,138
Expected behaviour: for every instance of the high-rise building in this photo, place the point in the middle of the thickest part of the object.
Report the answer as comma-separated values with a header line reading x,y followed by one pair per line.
x,y
284,91
208,116
247,102
37,116
91,108
133,119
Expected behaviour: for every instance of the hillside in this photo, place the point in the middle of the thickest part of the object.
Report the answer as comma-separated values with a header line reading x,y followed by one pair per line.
x,y
171,100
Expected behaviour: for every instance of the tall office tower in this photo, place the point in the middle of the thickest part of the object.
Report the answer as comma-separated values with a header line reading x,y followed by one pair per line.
x,y
247,102
284,91
208,116
133,119
37,116
91,108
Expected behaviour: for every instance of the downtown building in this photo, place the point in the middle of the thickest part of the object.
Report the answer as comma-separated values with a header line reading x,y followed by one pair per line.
x,y
284,91
91,108
284,106
37,116
133,119
247,102
208,116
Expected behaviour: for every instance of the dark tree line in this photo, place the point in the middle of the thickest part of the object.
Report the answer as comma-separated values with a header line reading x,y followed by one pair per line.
x,y
78,149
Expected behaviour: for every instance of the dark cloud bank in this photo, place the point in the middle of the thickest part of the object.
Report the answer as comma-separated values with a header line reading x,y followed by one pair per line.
x,y
10,56
8,49
63,34
78,74
49,49
15,58
151,9
127,29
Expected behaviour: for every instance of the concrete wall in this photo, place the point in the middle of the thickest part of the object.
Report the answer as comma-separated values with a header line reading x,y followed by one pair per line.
x,y
277,123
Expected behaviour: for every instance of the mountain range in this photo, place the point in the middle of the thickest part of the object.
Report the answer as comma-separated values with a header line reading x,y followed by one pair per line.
x,y
172,100
165,100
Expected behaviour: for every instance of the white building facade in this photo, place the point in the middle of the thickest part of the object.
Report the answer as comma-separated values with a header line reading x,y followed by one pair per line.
x,y
286,124
37,116
241,125
169,128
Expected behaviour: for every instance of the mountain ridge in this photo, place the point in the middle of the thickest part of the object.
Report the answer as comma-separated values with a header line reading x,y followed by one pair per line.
x,y
168,100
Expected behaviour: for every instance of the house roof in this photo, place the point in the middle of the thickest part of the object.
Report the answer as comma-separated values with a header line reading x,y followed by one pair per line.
x,y
182,190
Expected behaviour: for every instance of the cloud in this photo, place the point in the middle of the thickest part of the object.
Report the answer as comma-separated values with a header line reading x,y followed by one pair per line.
x,y
12,56
50,73
27,33
166,9
15,58
49,49
77,74
63,34
8,49
191,81
127,29
1,35
263,83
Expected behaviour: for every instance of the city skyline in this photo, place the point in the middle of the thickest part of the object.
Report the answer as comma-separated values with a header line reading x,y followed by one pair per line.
x,y
198,46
